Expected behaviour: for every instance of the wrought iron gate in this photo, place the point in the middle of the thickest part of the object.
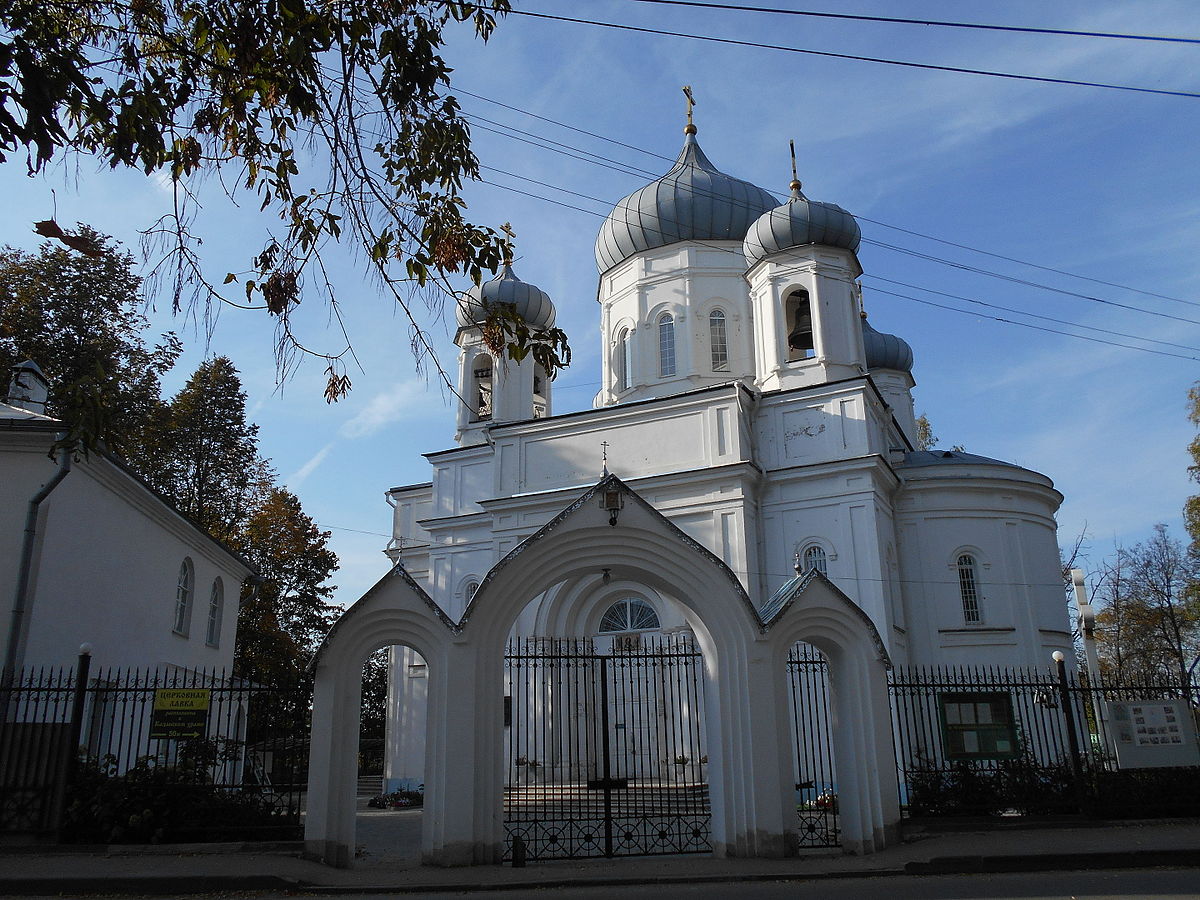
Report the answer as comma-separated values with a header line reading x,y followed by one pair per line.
x,y
816,780
605,747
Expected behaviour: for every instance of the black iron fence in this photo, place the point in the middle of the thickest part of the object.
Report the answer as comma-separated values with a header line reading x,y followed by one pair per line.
x,y
147,755
606,750
1000,741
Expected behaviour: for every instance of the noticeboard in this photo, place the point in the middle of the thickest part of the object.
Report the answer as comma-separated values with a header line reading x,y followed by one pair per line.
x,y
180,713
1151,733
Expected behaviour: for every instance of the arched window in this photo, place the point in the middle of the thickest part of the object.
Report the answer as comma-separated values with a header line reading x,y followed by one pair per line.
x,y
968,588
630,614
718,341
216,609
814,557
801,343
666,345
624,360
481,371
470,589
183,598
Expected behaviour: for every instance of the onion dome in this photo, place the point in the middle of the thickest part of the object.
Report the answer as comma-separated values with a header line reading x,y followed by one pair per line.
x,y
798,222
532,303
692,202
886,351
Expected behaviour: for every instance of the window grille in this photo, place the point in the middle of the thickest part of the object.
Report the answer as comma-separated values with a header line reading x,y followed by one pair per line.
x,y
666,346
718,341
815,558
968,587
630,614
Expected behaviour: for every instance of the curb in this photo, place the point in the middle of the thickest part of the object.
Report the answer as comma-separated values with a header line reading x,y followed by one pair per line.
x,y
168,885
943,865
1122,859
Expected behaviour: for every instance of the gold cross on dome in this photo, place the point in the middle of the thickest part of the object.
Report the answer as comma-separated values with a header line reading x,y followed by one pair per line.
x,y
691,101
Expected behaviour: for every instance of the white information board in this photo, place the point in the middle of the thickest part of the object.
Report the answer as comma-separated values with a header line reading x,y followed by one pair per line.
x,y
1150,733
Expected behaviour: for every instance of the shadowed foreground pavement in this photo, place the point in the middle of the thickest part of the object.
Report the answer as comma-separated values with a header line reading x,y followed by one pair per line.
x,y
389,862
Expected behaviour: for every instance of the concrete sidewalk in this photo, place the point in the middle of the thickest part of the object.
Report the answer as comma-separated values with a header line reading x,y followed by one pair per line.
x,y
232,867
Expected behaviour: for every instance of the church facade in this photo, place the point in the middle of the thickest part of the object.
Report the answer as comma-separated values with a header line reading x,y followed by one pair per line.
x,y
748,478
746,396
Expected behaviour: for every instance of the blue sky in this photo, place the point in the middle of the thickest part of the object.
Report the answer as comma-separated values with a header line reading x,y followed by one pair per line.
x,y
1096,182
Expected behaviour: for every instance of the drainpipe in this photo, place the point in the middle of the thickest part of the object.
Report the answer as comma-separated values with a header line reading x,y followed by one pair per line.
x,y
20,598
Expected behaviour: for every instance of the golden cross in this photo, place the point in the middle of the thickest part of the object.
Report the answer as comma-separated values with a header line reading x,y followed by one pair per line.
x,y
691,101
792,144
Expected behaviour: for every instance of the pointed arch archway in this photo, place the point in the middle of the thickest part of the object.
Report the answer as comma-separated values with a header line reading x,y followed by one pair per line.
x,y
749,767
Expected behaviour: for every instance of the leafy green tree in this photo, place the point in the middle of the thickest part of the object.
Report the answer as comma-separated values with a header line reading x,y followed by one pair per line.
x,y
336,116
1191,509
281,624
373,721
80,318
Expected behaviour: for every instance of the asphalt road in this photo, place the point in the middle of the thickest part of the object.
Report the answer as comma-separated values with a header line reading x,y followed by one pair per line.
x,y
1121,884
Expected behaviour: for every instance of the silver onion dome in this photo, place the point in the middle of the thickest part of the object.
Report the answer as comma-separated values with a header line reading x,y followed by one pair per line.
x,y
886,351
798,222
692,202
532,303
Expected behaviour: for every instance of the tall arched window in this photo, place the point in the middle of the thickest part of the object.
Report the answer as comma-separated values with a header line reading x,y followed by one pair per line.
x,y
470,589
183,598
666,345
718,341
630,614
815,558
216,610
968,588
624,360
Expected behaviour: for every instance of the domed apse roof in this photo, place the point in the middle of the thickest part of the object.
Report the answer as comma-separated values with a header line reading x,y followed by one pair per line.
x,y
798,222
886,351
532,303
692,202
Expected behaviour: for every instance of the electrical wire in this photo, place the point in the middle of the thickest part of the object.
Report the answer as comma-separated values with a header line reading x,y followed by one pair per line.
x,y
962,70
930,22
524,137
861,218
908,297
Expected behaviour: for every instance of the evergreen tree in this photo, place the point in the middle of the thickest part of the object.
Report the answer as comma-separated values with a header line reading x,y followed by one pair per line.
x,y
80,318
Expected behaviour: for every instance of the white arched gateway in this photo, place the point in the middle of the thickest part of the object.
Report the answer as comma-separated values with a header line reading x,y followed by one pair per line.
x,y
744,649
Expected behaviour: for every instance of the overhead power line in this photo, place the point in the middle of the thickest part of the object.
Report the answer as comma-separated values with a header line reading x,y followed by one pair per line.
x,y
555,147
978,26
630,169
879,290
962,70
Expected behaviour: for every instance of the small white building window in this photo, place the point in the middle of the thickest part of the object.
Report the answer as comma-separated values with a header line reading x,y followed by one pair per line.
x,y
800,339
718,341
814,557
630,614
968,588
666,345
624,360
216,610
470,589
183,598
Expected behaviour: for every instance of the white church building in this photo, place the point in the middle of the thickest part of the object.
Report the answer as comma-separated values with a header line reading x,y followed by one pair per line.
x,y
751,411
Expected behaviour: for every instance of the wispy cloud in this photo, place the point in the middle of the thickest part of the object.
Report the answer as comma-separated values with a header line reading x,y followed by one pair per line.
x,y
404,400
298,477
399,402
